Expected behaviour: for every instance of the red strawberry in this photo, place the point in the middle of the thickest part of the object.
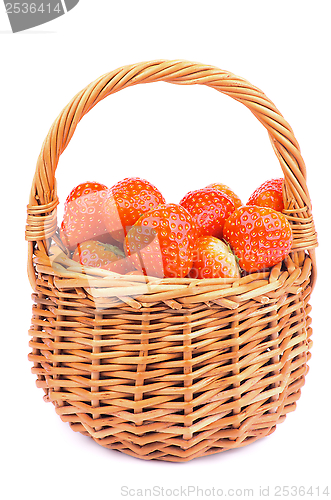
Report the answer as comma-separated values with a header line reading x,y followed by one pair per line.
x,y
95,254
269,194
260,237
226,190
84,189
126,201
161,242
213,259
82,218
209,208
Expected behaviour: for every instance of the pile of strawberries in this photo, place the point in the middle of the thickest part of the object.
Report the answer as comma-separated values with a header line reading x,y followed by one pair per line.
x,y
130,229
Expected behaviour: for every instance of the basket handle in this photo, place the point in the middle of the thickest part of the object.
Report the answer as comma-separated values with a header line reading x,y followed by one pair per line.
x,y
42,220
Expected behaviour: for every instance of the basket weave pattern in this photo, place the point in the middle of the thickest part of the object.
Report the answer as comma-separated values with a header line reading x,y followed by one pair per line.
x,y
170,369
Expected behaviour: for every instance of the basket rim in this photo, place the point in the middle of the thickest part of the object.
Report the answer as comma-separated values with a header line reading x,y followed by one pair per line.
x,y
106,288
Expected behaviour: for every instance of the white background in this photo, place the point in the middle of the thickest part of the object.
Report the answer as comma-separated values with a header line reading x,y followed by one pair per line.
x,y
180,138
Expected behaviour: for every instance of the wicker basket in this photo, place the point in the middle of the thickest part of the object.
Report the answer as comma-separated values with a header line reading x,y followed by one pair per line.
x,y
170,369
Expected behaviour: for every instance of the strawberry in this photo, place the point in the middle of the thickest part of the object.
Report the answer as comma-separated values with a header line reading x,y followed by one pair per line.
x,y
209,208
124,265
226,190
126,201
84,189
95,254
82,218
260,237
161,242
213,259
269,194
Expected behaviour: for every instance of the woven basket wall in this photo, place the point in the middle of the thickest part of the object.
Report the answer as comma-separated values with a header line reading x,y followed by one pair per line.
x,y
170,369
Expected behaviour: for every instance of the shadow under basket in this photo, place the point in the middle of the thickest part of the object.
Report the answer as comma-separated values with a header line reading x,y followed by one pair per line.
x,y
170,369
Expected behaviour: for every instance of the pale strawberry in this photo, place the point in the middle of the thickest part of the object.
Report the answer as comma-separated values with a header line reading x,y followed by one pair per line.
x,y
83,215
95,254
213,259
